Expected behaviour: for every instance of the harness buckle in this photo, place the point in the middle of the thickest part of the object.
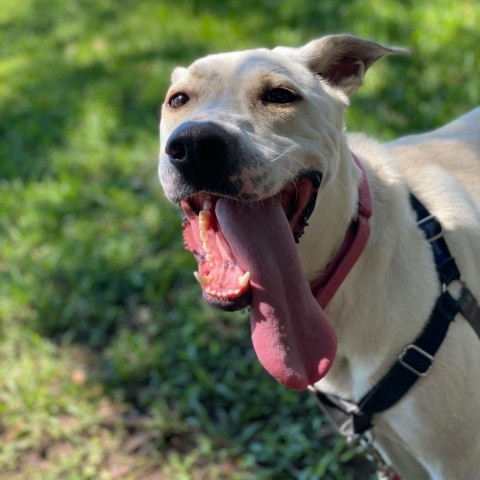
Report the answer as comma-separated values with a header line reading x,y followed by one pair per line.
x,y
431,227
418,361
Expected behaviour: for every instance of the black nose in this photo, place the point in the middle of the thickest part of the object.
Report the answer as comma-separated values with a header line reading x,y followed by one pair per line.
x,y
195,146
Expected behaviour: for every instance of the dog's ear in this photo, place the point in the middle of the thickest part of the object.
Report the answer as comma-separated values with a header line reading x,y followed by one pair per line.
x,y
177,74
342,60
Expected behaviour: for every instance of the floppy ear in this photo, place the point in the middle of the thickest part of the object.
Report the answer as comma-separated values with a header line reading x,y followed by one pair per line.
x,y
177,74
342,60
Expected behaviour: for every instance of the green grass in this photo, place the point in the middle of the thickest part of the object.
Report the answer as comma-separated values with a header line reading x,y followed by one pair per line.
x,y
110,365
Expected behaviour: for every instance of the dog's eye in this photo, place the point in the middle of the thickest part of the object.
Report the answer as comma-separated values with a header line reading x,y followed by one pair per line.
x,y
279,95
178,100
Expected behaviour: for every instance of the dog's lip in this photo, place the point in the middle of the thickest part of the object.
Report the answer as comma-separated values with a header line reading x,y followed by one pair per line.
x,y
224,283
298,199
229,304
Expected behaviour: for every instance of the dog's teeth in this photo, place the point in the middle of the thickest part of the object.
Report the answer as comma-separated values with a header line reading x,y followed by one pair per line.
x,y
244,279
206,247
203,225
236,291
203,280
209,258
204,219
203,236
230,293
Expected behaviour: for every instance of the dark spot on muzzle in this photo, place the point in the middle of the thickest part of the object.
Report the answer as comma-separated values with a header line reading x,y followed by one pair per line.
x,y
204,154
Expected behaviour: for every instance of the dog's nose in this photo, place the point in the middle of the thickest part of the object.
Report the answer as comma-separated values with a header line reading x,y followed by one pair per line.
x,y
198,145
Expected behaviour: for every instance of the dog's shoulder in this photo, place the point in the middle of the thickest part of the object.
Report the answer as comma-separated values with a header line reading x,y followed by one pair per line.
x,y
455,146
445,159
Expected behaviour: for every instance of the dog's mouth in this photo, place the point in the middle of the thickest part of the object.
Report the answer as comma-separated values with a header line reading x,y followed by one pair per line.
x,y
247,256
225,282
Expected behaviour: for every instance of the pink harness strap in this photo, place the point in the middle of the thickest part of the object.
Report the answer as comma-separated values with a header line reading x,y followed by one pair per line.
x,y
356,238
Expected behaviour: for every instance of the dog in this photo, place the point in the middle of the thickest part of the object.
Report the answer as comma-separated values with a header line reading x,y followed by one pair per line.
x,y
254,149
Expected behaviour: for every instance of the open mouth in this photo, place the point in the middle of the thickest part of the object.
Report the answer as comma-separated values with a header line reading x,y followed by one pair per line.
x,y
224,280
247,256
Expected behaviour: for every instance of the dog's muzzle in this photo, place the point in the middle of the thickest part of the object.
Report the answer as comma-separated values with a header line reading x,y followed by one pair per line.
x,y
245,247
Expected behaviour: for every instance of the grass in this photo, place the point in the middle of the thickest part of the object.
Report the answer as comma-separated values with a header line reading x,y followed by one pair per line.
x,y
110,365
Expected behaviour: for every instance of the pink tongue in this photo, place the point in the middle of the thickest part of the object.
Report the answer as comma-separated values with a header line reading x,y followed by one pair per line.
x,y
292,336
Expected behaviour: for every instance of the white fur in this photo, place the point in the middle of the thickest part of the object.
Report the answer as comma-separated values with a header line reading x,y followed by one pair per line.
x,y
433,432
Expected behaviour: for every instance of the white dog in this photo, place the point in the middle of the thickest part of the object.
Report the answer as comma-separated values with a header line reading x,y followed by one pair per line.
x,y
250,140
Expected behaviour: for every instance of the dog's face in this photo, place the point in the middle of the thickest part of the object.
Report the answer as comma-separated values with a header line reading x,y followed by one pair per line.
x,y
247,141
255,125
250,126
245,125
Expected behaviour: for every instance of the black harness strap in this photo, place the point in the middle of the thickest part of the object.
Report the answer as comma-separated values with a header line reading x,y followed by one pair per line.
x,y
414,362
416,358
446,267
445,263
470,309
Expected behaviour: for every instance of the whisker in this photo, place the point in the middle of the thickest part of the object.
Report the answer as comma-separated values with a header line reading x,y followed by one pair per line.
x,y
279,156
291,157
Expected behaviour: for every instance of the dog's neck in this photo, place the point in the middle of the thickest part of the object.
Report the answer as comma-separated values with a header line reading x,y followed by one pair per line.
x,y
335,209
396,253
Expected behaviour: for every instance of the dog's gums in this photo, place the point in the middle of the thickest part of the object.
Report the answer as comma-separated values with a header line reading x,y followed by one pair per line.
x,y
224,282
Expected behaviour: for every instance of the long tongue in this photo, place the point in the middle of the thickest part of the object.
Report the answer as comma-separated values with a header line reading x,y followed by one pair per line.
x,y
291,334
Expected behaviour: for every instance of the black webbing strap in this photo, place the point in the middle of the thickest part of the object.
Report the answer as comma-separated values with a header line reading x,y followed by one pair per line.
x,y
470,309
413,362
445,263
416,358
446,267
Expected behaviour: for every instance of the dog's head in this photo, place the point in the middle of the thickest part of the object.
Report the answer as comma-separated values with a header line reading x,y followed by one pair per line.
x,y
247,140
254,125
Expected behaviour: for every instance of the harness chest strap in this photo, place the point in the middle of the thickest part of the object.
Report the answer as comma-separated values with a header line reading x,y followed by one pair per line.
x,y
416,358
445,263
